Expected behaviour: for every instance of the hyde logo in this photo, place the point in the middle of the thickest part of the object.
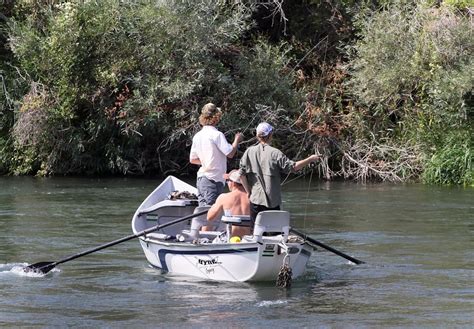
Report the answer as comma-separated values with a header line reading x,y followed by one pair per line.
x,y
209,262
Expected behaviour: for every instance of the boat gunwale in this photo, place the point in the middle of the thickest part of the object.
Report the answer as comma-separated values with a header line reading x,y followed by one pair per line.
x,y
213,246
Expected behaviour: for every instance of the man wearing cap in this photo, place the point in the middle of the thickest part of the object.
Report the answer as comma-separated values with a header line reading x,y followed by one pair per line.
x,y
210,150
260,168
236,202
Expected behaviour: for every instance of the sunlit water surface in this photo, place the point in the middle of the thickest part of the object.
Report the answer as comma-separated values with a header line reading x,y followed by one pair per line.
x,y
417,242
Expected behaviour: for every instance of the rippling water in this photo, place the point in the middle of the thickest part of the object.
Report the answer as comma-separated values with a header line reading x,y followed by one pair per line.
x,y
417,242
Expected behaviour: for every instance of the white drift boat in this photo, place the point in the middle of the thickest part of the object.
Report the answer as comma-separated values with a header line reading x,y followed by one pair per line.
x,y
183,249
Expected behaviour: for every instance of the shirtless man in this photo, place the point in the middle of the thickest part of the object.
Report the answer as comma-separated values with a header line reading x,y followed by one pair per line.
x,y
236,201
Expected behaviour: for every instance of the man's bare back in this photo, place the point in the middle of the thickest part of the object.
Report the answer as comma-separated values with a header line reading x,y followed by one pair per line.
x,y
237,202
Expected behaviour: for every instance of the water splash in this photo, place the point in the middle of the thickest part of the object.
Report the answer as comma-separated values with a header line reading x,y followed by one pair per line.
x,y
269,303
18,269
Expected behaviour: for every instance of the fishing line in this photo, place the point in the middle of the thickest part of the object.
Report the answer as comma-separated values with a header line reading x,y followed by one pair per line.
x,y
325,39
257,114
312,165
307,195
291,180
306,109
297,155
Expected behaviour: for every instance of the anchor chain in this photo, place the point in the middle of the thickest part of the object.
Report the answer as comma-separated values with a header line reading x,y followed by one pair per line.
x,y
285,274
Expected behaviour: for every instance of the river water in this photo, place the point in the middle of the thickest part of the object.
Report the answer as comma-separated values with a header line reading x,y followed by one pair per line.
x,y
417,242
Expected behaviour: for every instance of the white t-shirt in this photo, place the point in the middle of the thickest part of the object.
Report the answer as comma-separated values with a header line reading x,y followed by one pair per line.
x,y
211,148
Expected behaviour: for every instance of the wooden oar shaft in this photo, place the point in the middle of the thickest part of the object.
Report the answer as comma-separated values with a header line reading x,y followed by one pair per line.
x,y
318,243
130,237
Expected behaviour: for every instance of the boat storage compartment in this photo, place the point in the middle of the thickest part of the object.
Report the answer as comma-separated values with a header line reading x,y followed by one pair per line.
x,y
166,211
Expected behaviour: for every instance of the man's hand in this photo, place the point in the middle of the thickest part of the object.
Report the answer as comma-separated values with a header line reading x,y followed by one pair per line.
x,y
300,164
314,158
238,138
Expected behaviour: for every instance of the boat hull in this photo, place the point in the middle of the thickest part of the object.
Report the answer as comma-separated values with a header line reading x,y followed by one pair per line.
x,y
237,262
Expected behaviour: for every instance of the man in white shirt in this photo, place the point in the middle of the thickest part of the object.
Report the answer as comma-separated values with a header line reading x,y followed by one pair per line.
x,y
210,150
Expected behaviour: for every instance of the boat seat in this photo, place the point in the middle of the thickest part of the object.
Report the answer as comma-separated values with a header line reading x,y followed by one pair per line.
x,y
239,220
272,222
235,220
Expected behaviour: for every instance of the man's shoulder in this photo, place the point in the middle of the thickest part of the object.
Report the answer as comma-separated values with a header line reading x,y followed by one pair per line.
x,y
223,197
207,132
247,154
199,133
212,132
253,148
273,151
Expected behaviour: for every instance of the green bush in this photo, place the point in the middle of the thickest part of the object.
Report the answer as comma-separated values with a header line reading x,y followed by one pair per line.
x,y
264,82
413,68
452,162
121,77
461,4
115,87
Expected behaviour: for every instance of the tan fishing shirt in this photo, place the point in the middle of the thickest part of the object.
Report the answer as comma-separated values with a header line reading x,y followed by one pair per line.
x,y
262,165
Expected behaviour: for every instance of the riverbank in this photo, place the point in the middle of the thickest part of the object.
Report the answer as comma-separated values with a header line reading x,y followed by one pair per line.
x,y
111,87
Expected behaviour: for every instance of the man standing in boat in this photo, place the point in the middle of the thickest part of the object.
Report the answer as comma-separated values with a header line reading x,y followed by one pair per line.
x,y
210,150
260,169
235,202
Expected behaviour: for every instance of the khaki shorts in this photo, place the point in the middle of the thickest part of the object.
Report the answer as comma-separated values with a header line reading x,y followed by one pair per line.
x,y
208,191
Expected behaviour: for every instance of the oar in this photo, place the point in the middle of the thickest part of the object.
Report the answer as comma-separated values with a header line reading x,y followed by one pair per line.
x,y
316,242
45,267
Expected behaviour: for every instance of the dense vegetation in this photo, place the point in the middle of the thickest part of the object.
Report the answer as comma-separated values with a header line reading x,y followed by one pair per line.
x,y
382,89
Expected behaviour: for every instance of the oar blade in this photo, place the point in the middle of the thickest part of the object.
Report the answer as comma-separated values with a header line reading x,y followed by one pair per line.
x,y
333,250
41,267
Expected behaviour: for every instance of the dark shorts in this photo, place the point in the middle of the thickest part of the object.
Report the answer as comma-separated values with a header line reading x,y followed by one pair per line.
x,y
208,191
255,209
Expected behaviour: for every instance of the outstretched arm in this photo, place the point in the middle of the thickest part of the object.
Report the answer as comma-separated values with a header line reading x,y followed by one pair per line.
x,y
302,163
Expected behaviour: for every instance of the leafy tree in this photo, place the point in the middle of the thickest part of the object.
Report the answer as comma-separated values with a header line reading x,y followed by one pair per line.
x,y
413,67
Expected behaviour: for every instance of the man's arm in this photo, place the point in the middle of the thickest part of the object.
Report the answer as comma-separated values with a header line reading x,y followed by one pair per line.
x,y
235,144
193,154
302,163
245,184
216,209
